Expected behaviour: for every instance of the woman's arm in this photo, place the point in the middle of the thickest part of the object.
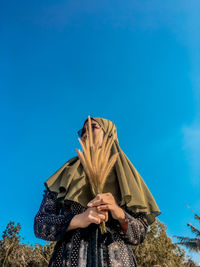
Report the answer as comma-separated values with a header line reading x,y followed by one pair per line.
x,y
132,227
87,217
136,227
48,223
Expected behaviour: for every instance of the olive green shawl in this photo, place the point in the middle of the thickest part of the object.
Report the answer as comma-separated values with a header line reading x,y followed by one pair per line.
x,y
124,182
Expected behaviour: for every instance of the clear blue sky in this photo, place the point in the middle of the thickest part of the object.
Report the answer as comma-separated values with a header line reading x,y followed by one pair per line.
x,y
134,62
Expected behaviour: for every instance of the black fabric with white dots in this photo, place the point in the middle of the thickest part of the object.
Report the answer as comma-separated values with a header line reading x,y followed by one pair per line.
x,y
87,247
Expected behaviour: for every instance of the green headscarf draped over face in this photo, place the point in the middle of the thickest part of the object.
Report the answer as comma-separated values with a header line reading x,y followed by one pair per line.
x,y
124,181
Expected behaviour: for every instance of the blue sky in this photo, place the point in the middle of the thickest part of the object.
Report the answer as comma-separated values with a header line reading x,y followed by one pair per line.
x,y
134,62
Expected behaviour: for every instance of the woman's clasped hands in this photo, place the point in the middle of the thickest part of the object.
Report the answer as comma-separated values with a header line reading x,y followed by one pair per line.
x,y
106,202
97,212
91,215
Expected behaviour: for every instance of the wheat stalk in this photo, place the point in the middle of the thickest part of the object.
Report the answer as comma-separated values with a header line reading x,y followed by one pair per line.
x,y
96,162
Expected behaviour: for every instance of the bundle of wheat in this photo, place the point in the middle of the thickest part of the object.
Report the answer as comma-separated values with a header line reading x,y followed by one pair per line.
x,y
96,161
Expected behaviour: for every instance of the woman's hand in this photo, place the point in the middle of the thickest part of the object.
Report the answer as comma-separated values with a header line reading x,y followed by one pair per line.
x,y
91,215
106,202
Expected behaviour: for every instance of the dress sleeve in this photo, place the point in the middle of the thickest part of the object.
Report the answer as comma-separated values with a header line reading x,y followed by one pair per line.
x,y
136,229
49,224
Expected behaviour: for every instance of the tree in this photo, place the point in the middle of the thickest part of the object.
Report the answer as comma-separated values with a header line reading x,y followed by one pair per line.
x,y
41,254
10,243
158,249
193,244
190,263
13,253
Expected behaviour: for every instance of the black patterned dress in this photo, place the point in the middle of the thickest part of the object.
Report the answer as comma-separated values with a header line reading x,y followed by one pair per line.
x,y
87,247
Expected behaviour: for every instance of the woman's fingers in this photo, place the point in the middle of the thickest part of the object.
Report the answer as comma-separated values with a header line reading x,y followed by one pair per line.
x,y
104,213
94,219
96,202
106,216
105,207
102,216
105,198
97,217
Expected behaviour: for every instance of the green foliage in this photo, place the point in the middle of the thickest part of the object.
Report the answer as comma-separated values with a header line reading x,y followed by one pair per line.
x,y
158,249
9,246
12,253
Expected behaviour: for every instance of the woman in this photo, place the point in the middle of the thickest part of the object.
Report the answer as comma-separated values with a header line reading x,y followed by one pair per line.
x,y
70,215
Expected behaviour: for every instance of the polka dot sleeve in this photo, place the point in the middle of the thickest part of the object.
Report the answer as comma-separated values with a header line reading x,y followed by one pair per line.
x,y
49,224
136,227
